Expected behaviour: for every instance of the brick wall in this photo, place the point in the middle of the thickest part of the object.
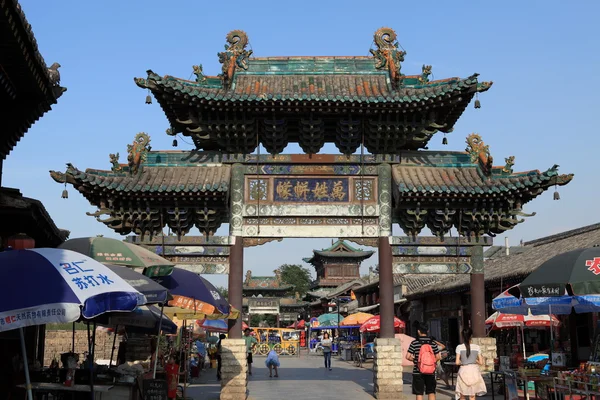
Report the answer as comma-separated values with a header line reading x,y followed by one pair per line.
x,y
58,342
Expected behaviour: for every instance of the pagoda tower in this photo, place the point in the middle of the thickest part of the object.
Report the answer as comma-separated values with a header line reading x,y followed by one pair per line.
x,y
337,264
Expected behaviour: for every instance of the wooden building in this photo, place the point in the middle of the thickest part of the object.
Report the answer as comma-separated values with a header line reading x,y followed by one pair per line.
x,y
337,264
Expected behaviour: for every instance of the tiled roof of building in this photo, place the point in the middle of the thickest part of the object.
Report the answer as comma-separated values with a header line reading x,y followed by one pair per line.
x,y
414,178
338,249
150,180
336,79
517,266
24,73
413,282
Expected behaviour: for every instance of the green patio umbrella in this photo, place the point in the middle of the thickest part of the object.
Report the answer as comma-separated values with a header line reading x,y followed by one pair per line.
x,y
330,319
117,252
577,272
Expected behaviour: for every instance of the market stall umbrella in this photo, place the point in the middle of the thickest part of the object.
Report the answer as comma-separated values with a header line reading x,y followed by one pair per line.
x,y
356,319
508,303
373,324
244,326
45,286
331,319
117,252
194,297
501,320
145,319
155,293
213,325
577,272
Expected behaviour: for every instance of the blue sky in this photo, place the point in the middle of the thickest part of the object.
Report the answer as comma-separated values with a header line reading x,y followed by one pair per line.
x,y
543,57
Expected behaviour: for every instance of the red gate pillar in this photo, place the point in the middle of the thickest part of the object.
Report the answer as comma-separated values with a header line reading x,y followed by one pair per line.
x,y
236,279
386,288
477,293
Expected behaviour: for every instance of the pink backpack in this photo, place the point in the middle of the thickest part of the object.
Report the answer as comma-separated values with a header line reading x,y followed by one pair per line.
x,y
427,360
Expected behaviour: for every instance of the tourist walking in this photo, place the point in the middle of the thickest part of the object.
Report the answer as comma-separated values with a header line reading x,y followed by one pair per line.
x,y
469,381
250,344
326,342
424,354
272,362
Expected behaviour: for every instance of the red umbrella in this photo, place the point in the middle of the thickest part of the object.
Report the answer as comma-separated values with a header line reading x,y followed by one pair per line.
x,y
501,320
244,326
373,324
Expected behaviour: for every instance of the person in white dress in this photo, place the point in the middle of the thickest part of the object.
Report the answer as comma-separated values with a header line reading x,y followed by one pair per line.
x,y
469,382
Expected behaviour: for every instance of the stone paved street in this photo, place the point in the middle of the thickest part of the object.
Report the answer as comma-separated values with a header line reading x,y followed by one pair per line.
x,y
302,378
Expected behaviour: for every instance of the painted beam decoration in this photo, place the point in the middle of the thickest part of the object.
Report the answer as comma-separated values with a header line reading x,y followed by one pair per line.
x,y
432,255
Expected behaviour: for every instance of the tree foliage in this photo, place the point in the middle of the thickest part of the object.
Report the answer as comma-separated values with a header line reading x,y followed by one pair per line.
x,y
296,275
224,292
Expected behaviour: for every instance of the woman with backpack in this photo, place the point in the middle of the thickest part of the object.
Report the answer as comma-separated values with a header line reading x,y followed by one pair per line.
x,y
469,381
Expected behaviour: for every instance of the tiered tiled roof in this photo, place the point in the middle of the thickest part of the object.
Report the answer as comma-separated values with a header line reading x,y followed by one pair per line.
x,y
339,249
151,181
312,100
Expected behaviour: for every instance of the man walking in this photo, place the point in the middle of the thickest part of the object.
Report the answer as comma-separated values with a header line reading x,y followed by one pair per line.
x,y
424,353
250,344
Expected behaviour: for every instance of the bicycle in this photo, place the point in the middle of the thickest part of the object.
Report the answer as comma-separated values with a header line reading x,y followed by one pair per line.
x,y
357,356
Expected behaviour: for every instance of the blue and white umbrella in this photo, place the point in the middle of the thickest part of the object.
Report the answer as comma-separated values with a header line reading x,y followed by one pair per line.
x,y
42,286
508,303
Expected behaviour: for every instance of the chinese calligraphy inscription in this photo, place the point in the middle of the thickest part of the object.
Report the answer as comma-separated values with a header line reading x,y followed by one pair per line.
x,y
330,190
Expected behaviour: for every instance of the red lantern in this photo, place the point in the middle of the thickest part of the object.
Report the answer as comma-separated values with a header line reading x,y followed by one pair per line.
x,y
20,242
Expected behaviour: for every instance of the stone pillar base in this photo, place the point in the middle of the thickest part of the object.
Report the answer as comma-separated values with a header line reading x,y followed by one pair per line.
x,y
233,370
388,369
488,351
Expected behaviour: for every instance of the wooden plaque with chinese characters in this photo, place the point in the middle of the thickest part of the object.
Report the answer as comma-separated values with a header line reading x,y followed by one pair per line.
x,y
310,206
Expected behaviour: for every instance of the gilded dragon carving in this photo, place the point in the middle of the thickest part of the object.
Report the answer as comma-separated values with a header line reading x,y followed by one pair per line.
x,y
138,151
479,151
235,55
387,54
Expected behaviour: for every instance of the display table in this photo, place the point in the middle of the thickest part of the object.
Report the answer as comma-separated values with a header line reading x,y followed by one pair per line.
x,y
53,388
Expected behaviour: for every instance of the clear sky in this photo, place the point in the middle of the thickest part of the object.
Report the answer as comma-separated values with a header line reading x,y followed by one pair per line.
x,y
543,57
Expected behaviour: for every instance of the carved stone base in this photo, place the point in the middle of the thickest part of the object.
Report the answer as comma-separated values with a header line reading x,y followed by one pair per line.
x,y
388,369
233,370
488,351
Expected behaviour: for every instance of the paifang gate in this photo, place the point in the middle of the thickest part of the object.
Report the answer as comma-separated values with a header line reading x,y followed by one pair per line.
x,y
364,105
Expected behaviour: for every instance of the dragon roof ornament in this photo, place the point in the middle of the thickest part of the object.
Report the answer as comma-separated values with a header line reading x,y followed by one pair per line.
x,y
235,55
138,151
387,54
